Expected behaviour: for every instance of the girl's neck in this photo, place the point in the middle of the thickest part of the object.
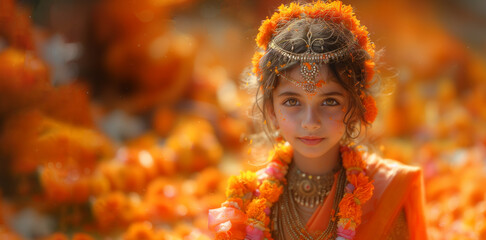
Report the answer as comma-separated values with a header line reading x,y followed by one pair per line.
x,y
318,166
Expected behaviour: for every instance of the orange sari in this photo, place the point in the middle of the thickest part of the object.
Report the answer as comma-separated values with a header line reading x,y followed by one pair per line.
x,y
397,188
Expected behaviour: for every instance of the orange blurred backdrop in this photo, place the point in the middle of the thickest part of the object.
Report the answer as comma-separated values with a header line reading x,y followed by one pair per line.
x,y
123,119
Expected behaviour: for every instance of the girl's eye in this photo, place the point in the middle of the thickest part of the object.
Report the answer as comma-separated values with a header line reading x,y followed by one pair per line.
x,y
330,102
291,102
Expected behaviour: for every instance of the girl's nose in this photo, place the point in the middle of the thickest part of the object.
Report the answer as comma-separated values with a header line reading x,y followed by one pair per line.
x,y
311,120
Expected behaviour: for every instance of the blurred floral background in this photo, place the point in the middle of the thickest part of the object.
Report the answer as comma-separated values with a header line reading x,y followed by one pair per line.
x,y
122,119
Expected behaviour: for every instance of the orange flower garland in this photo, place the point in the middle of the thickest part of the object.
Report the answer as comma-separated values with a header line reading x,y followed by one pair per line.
x,y
358,190
250,196
329,11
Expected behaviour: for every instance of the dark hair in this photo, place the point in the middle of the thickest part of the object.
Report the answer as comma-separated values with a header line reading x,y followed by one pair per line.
x,y
294,36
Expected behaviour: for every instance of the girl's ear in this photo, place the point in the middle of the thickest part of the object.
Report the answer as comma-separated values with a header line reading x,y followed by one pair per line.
x,y
271,114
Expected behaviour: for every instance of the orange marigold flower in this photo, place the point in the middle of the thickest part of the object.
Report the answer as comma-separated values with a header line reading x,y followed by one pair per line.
x,y
364,187
294,9
352,158
270,190
267,29
369,70
256,61
349,209
361,35
371,110
265,33
256,209
239,186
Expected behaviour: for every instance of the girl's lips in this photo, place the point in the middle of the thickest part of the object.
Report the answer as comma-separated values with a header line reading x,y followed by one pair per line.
x,y
311,140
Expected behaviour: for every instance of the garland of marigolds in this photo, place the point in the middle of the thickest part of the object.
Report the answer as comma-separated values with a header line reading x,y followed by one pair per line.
x,y
246,212
329,11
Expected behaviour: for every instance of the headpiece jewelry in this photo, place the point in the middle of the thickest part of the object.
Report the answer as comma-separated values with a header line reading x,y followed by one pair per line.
x,y
309,60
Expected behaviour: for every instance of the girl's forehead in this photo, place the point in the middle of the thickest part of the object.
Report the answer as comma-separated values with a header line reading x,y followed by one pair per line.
x,y
326,81
325,73
324,87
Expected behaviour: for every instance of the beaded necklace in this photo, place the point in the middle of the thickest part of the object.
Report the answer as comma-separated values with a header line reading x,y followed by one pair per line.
x,y
309,190
250,196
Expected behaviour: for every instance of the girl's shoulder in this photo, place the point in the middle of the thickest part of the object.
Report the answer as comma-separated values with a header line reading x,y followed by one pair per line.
x,y
397,188
393,182
388,172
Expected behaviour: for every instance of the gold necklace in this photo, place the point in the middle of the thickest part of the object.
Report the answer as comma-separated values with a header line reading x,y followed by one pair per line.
x,y
310,190
286,217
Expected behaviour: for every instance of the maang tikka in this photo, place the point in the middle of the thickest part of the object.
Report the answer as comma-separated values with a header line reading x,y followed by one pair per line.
x,y
310,60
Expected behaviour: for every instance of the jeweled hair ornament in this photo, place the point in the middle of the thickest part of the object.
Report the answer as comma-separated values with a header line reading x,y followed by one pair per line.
x,y
309,60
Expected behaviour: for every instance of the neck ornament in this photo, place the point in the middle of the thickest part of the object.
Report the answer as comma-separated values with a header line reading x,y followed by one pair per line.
x,y
309,190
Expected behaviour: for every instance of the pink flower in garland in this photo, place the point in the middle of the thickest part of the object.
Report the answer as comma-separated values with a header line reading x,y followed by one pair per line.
x,y
253,233
346,233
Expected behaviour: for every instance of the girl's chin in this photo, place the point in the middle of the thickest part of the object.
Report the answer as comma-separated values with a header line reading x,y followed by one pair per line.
x,y
311,142
314,151
311,154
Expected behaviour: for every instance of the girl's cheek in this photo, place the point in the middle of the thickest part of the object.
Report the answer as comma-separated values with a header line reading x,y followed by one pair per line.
x,y
335,121
286,118
337,114
278,114
287,129
284,114
333,115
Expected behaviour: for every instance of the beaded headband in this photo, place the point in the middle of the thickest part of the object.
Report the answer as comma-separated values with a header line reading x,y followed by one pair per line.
x,y
334,12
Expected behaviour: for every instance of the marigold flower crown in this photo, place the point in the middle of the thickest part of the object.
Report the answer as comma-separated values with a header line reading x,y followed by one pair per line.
x,y
250,196
333,12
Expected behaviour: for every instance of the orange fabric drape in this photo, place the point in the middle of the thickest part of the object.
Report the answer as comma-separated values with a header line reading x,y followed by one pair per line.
x,y
397,187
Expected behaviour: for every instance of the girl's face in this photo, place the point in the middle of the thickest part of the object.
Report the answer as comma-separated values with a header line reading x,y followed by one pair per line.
x,y
311,123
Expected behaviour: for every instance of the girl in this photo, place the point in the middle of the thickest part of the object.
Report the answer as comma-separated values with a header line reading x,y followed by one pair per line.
x,y
314,74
